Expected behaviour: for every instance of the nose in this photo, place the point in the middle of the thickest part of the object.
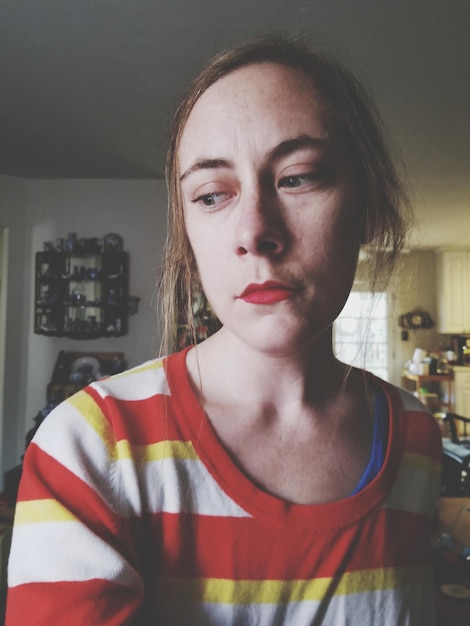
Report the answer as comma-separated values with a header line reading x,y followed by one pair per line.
x,y
260,229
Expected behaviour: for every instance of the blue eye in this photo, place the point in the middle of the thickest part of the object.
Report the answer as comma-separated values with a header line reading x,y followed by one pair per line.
x,y
210,200
297,180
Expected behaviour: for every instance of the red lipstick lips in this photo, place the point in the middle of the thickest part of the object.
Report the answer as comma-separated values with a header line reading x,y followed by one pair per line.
x,y
267,293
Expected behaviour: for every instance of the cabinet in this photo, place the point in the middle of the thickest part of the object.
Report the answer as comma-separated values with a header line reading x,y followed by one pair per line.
x,y
82,295
462,390
453,282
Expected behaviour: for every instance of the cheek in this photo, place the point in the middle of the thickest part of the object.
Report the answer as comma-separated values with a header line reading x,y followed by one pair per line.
x,y
331,245
196,235
346,223
332,228
208,255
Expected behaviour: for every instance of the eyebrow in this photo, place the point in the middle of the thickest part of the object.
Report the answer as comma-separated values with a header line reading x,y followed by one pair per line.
x,y
279,151
205,164
297,143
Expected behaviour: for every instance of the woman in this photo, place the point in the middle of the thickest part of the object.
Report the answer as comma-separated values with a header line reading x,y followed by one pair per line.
x,y
253,479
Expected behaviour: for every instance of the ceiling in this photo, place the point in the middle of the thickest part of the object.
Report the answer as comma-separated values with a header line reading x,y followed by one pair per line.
x,y
88,87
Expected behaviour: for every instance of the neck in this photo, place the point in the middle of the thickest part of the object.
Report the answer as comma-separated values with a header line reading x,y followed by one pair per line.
x,y
271,413
223,369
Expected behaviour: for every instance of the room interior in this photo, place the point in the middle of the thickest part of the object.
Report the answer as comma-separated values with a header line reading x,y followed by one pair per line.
x,y
88,89
88,92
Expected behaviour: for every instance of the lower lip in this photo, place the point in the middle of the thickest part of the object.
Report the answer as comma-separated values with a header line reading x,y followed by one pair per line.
x,y
267,296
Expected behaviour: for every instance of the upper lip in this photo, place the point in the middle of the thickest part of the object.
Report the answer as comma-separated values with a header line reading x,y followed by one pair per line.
x,y
269,284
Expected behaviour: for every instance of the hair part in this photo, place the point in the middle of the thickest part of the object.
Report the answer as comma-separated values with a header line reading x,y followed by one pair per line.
x,y
386,208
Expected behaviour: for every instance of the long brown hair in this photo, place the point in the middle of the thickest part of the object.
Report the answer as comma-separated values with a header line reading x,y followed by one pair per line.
x,y
386,209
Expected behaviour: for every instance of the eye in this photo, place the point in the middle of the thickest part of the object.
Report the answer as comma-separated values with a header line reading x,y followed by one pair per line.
x,y
212,200
294,181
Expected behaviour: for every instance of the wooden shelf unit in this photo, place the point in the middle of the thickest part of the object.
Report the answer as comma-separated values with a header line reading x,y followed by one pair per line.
x,y
422,380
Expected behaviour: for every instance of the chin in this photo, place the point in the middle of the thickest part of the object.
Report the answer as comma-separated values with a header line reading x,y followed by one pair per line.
x,y
274,342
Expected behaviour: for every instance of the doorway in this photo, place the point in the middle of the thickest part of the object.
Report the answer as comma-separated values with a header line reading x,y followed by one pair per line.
x,y
3,316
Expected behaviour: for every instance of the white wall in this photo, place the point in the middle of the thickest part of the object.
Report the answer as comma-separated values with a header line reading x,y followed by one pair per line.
x,y
38,211
13,218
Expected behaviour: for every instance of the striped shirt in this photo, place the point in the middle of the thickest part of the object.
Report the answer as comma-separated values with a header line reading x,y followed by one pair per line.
x,y
130,511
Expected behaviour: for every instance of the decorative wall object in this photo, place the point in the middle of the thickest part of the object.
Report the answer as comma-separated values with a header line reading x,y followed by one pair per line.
x,y
82,288
414,320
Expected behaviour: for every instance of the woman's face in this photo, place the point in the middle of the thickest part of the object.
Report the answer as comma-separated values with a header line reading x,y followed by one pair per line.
x,y
271,207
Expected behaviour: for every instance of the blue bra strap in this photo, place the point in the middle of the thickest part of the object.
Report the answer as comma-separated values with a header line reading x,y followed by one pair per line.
x,y
379,441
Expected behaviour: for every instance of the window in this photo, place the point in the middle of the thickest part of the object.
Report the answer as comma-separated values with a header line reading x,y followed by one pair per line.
x,y
360,334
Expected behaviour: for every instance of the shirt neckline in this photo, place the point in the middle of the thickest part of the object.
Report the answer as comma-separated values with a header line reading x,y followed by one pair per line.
x,y
268,508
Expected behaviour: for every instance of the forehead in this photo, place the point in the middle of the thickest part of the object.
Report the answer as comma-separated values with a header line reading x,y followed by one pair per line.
x,y
261,99
260,78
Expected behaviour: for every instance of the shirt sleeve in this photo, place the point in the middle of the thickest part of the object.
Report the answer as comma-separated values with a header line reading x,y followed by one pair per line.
x,y
73,550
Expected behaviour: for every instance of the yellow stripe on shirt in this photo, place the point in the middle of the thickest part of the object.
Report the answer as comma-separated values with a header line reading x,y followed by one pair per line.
x,y
92,413
179,450
242,592
123,449
413,460
37,511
